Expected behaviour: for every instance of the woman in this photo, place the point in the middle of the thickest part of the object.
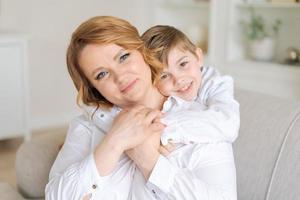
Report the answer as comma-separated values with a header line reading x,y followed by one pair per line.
x,y
110,68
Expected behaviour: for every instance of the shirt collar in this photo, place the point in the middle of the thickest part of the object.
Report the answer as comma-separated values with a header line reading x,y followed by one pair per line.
x,y
172,101
105,117
100,117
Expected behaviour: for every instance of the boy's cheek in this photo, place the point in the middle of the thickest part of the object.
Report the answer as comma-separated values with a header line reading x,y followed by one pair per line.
x,y
164,90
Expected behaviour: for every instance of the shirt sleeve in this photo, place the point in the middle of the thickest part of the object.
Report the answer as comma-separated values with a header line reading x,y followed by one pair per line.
x,y
217,93
74,173
212,177
213,117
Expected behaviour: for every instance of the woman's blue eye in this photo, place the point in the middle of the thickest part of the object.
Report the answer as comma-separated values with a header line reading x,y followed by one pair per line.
x,y
101,75
124,57
183,64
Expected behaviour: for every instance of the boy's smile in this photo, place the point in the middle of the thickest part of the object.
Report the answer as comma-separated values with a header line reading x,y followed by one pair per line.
x,y
185,88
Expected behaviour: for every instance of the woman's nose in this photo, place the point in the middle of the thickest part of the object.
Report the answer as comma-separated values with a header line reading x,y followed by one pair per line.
x,y
119,77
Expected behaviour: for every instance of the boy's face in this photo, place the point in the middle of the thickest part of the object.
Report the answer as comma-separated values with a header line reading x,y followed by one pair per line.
x,y
182,76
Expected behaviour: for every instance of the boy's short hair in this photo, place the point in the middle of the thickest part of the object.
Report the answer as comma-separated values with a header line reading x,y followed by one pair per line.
x,y
161,39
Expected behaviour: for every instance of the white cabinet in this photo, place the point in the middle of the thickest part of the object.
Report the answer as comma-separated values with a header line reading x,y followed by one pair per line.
x,y
14,109
227,48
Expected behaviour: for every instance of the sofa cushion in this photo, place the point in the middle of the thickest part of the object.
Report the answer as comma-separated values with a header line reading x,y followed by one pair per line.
x,y
286,176
33,163
7,192
265,121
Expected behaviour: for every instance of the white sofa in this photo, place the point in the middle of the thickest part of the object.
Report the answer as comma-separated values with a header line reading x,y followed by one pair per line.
x,y
267,152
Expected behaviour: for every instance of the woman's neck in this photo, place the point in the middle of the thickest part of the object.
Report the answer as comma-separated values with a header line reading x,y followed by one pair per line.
x,y
154,99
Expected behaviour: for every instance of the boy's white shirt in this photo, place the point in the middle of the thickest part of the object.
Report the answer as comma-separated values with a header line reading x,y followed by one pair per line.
x,y
212,117
74,173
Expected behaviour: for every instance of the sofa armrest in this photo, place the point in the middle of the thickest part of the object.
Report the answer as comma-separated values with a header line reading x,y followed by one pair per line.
x,y
266,151
33,163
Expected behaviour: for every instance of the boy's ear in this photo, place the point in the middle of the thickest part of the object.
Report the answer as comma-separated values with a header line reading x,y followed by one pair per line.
x,y
200,56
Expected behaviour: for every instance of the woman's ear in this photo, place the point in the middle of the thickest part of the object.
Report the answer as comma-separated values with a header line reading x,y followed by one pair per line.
x,y
199,56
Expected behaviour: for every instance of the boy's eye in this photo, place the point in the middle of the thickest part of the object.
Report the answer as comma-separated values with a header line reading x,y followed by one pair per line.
x,y
124,57
164,76
101,75
183,64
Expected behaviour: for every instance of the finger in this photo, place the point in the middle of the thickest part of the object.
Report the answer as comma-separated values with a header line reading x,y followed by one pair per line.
x,y
136,109
153,116
163,151
169,147
157,127
158,119
154,138
142,111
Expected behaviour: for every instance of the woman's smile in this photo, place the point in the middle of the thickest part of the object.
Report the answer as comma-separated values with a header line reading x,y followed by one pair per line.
x,y
129,86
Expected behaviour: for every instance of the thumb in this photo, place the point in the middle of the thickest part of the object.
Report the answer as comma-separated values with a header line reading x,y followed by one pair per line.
x,y
157,127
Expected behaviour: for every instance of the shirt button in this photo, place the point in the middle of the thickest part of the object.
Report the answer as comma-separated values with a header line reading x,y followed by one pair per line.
x,y
153,191
102,115
94,186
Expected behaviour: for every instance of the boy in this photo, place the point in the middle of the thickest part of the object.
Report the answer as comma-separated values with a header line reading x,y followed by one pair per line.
x,y
200,109
211,104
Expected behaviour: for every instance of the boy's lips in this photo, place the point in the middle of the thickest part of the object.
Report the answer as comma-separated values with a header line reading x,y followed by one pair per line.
x,y
129,86
186,88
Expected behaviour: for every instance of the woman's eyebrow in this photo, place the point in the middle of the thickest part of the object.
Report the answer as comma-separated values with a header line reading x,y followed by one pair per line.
x,y
118,54
114,58
95,71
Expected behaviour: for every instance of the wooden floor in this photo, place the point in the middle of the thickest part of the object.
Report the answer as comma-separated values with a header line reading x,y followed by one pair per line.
x,y
8,149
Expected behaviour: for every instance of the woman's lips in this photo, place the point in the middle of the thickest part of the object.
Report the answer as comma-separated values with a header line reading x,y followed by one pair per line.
x,y
128,86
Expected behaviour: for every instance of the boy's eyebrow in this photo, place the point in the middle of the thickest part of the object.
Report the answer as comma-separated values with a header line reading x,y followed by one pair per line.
x,y
179,60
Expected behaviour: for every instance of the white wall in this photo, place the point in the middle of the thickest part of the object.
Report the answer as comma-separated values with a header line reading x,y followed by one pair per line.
x,y
48,25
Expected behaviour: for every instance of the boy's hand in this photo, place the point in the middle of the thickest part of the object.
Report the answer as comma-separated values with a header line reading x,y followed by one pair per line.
x,y
165,150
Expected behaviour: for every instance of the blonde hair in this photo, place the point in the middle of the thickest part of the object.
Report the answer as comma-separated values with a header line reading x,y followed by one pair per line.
x,y
161,39
102,30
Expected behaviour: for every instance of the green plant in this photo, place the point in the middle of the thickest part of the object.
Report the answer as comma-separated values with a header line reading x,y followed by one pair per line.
x,y
256,28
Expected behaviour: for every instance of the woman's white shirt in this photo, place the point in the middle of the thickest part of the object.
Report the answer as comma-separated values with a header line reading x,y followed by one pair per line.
x,y
74,173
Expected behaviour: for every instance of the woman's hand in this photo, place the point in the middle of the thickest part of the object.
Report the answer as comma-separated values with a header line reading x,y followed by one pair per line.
x,y
146,154
131,127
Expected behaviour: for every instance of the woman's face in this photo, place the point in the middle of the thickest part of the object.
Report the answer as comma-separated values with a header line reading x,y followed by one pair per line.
x,y
120,75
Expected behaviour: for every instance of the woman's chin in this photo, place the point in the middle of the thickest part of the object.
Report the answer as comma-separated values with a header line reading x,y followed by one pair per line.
x,y
134,95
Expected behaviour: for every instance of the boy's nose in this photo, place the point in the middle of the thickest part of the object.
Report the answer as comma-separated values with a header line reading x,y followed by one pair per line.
x,y
179,82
